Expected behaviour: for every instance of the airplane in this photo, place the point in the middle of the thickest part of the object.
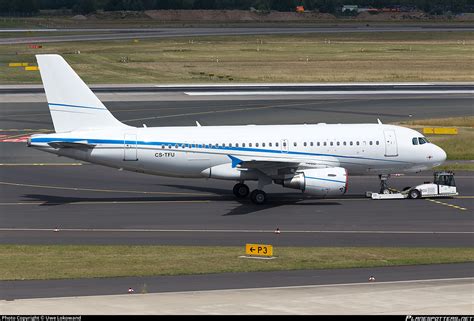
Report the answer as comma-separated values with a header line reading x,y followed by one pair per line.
x,y
316,159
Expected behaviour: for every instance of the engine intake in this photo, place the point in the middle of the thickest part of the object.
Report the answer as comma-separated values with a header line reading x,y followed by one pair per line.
x,y
319,181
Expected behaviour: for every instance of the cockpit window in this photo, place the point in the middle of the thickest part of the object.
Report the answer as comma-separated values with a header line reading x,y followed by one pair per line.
x,y
415,141
421,140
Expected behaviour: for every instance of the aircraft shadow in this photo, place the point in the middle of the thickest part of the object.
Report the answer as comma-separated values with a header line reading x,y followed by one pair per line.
x,y
244,206
53,200
205,189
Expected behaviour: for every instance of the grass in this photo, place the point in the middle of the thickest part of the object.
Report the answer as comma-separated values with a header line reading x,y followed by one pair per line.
x,y
341,57
466,121
79,261
457,147
456,167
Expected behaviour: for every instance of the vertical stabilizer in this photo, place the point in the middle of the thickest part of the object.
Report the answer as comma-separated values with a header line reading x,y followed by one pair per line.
x,y
72,104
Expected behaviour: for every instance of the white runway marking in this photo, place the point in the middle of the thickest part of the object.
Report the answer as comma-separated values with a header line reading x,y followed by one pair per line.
x,y
361,92
228,231
335,285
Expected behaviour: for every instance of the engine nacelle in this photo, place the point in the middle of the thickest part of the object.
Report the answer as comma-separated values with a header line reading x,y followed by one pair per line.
x,y
226,171
319,181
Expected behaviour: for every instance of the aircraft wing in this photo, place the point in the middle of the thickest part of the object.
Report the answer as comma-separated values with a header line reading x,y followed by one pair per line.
x,y
277,165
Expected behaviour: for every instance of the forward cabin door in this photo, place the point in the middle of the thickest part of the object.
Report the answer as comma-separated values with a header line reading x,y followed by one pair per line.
x,y
130,147
391,148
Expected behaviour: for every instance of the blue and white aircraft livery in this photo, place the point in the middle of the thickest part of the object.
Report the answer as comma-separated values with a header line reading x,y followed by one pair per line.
x,y
315,159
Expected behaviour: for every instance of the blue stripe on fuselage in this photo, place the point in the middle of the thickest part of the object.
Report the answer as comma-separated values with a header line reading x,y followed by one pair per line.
x,y
244,149
75,106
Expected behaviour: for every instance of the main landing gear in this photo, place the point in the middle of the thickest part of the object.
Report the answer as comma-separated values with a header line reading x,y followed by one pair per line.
x,y
241,190
257,196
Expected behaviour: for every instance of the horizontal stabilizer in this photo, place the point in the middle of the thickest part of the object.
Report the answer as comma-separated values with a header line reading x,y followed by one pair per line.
x,y
79,144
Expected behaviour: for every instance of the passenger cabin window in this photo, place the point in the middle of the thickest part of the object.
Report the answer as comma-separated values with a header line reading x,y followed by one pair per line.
x,y
295,144
377,142
311,144
414,141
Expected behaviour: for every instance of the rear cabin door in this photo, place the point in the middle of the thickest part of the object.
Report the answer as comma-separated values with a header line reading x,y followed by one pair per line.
x,y
391,148
130,147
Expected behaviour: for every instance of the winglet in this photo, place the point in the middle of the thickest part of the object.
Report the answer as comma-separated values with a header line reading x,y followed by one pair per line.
x,y
378,120
198,124
235,161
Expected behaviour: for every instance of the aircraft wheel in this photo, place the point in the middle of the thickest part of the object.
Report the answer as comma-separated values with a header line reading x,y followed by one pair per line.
x,y
258,197
241,190
414,194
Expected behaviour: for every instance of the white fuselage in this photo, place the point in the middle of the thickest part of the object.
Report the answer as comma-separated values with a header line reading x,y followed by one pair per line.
x,y
191,151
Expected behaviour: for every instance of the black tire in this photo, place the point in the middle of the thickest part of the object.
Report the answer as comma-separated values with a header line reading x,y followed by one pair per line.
x,y
241,190
414,194
258,197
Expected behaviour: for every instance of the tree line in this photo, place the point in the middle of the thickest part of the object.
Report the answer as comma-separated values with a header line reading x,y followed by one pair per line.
x,y
327,6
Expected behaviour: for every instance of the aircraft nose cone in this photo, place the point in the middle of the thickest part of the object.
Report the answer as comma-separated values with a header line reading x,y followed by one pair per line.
x,y
439,155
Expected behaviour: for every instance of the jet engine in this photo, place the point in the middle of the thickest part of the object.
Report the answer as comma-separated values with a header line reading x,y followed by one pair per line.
x,y
319,181
226,171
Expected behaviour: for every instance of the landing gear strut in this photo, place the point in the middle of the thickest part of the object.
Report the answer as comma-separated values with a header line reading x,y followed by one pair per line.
x,y
384,189
241,190
258,196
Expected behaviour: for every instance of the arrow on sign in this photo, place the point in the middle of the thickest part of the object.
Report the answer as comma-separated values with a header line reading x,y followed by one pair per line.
x,y
252,249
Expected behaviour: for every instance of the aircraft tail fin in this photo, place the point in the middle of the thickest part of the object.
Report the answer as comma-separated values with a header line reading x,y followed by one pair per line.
x,y
73,106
